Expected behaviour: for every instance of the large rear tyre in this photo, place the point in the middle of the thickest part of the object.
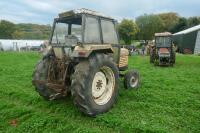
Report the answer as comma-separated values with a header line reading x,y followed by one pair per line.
x,y
173,57
95,84
41,73
152,55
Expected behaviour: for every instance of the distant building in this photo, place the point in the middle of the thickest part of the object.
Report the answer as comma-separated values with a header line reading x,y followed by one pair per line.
x,y
188,41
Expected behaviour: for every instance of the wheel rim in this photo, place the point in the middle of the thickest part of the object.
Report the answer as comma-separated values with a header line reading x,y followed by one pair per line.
x,y
133,81
103,85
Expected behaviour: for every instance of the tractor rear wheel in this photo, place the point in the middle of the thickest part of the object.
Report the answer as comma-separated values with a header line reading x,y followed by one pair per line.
x,y
152,55
173,57
40,74
95,84
131,80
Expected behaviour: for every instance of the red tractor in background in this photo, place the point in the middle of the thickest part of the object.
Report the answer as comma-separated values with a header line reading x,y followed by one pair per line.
x,y
162,53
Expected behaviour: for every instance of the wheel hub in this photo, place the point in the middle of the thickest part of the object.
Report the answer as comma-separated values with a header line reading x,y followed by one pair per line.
x,y
99,84
103,85
133,81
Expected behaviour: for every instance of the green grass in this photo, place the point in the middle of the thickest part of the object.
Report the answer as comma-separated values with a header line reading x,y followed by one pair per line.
x,y
168,100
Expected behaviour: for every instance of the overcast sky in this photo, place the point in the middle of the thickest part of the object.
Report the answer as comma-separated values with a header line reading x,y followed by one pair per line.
x,y
43,11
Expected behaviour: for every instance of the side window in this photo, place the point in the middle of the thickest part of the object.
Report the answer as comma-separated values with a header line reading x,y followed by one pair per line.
x,y
60,31
109,32
92,33
76,31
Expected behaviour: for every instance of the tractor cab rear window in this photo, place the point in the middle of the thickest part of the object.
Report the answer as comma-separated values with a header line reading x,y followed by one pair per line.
x,y
163,41
109,32
92,31
67,32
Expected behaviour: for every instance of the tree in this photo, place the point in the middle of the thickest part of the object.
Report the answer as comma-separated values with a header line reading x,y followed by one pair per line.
x,y
127,30
32,31
193,21
6,29
181,25
18,35
149,25
169,19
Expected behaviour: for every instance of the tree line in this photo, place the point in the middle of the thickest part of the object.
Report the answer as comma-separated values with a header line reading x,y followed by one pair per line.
x,y
142,28
9,30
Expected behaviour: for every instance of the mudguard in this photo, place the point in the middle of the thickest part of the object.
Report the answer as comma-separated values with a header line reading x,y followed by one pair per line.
x,y
86,50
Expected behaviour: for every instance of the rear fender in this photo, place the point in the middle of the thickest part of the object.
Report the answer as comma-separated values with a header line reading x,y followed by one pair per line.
x,y
86,50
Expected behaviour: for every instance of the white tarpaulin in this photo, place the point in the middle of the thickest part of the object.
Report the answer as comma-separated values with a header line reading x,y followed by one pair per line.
x,y
14,45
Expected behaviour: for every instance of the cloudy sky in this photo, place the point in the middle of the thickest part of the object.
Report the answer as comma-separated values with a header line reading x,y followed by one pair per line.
x,y
43,11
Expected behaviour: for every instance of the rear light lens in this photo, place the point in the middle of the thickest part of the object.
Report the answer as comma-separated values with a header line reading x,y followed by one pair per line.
x,y
81,53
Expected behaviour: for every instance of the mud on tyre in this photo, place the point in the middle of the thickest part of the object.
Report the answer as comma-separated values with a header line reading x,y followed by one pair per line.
x,y
95,84
41,73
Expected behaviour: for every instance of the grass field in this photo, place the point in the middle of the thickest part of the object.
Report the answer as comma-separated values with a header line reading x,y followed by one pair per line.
x,y
168,100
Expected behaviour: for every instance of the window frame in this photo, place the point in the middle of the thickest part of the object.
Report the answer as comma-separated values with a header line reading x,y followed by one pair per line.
x,y
56,20
115,29
55,24
83,26
170,42
85,16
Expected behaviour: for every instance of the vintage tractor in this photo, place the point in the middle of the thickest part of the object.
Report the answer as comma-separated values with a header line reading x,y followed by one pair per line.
x,y
84,59
162,53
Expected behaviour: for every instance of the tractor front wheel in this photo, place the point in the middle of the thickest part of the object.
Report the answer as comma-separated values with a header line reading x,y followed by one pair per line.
x,y
131,80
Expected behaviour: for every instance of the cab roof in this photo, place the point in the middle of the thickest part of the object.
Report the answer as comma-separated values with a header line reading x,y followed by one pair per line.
x,y
163,34
82,11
